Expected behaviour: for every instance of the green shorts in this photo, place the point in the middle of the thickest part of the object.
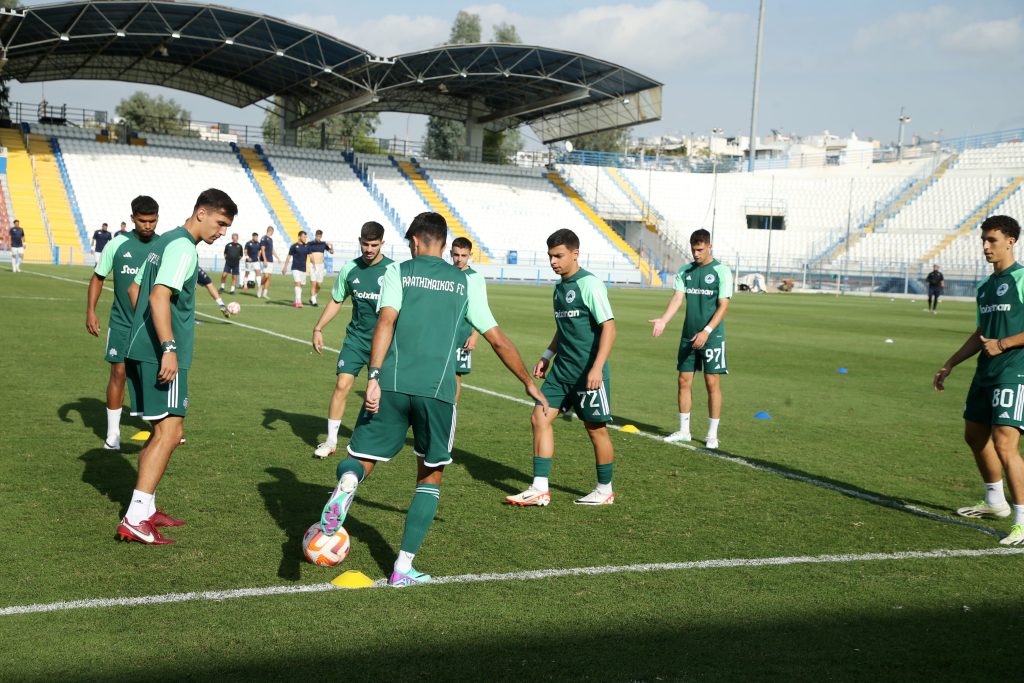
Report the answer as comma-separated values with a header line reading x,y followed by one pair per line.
x,y
381,435
463,361
995,404
710,360
117,343
591,405
152,399
353,357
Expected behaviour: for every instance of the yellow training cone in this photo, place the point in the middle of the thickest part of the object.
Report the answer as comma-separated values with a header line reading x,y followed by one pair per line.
x,y
630,429
141,436
352,579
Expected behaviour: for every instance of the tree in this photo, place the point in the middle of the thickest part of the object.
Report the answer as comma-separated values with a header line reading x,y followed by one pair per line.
x,y
351,131
465,29
614,140
502,145
144,113
445,137
505,33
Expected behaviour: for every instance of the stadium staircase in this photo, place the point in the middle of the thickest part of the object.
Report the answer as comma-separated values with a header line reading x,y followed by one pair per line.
x,y
367,180
976,217
647,272
76,212
884,213
64,234
279,183
418,178
24,196
288,223
650,216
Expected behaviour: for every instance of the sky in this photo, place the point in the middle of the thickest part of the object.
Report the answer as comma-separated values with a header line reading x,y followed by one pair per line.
x,y
954,66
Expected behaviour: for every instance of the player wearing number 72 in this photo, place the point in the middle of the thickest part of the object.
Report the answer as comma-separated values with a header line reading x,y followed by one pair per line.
x,y
706,285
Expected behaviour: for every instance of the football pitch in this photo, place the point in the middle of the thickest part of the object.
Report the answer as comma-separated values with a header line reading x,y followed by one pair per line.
x,y
821,543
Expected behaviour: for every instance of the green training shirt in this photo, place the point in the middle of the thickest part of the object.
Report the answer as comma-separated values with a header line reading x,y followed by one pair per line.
x,y
465,329
432,297
172,262
123,257
1001,314
581,305
703,287
362,283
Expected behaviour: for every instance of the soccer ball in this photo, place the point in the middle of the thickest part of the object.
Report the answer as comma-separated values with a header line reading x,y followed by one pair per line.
x,y
324,550
234,308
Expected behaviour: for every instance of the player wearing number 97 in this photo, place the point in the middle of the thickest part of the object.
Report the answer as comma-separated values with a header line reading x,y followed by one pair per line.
x,y
706,285
584,335
994,409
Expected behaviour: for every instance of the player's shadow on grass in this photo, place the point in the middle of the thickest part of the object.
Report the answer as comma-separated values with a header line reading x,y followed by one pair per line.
x,y
306,427
497,474
110,473
295,505
93,413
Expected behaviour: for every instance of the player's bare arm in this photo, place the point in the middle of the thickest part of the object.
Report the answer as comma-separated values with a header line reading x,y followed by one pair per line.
x,y
160,311
133,295
701,338
326,317
509,355
92,323
662,320
967,350
383,333
994,347
604,351
287,260
544,362
471,342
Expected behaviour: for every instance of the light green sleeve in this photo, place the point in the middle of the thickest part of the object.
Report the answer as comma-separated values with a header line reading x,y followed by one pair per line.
x,y
595,296
341,289
724,281
106,263
1018,279
177,264
478,313
391,288
680,284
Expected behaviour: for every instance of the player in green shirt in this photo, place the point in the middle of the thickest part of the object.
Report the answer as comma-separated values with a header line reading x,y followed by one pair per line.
x,y
122,257
706,285
462,251
412,382
360,280
584,335
160,353
994,409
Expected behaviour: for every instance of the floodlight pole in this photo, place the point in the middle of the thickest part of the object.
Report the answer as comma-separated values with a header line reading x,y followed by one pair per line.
x,y
757,87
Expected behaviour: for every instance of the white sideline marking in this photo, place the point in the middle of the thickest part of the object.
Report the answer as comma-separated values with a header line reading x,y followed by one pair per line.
x,y
540,574
735,459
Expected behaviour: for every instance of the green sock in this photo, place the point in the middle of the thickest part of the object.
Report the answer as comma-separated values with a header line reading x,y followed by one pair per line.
x,y
541,466
604,473
352,465
420,516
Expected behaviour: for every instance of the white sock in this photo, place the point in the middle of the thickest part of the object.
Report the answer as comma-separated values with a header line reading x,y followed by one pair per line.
x,y
332,430
312,299
220,302
604,489
540,484
140,507
994,494
404,562
713,428
259,292
113,423
1018,514
298,295
684,423
349,482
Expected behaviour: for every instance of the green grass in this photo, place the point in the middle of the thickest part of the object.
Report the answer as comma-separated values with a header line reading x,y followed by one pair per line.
x,y
248,486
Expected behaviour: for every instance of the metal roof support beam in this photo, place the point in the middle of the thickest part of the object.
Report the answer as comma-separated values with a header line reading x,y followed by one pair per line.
x,y
572,96
351,104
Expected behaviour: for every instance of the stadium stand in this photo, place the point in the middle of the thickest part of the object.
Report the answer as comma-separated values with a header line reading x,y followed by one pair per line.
x,y
24,199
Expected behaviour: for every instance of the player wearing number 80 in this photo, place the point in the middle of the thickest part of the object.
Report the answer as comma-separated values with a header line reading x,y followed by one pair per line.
x,y
584,335
994,410
706,285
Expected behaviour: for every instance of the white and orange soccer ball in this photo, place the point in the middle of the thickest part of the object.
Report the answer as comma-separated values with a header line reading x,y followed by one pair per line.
x,y
234,308
324,550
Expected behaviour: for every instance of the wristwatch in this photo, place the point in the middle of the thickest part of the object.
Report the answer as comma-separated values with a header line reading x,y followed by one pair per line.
x,y
168,345
374,373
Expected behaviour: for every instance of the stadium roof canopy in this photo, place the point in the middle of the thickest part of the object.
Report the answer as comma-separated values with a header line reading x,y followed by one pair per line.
x,y
243,58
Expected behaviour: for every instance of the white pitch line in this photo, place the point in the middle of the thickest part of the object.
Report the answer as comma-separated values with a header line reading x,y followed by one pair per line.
x,y
735,459
535,575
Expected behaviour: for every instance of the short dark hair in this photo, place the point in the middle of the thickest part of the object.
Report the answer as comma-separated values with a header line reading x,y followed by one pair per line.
x,y
144,205
319,232
103,225
462,243
255,234
430,227
566,237
1003,224
371,231
701,236
216,200
301,233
